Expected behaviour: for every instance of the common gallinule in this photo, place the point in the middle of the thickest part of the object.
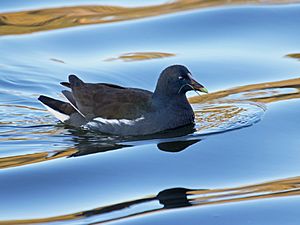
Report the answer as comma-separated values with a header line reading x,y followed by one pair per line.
x,y
113,109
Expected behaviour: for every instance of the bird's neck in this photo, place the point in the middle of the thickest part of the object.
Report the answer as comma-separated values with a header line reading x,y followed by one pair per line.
x,y
176,111
177,101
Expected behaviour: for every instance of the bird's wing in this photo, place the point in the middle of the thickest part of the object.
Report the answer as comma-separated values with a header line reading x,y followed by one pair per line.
x,y
109,101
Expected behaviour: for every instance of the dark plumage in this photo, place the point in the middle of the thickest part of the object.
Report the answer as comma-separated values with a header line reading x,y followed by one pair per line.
x,y
119,110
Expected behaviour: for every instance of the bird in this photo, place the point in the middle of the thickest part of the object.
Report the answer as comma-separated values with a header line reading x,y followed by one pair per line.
x,y
126,111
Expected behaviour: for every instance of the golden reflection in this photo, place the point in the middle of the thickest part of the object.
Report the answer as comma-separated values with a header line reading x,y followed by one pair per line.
x,y
277,188
211,117
294,55
180,197
239,107
22,107
263,92
30,21
21,160
42,134
137,56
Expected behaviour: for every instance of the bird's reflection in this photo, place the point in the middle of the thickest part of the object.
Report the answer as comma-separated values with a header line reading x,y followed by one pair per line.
x,y
178,197
183,197
174,198
175,140
86,143
176,146
169,198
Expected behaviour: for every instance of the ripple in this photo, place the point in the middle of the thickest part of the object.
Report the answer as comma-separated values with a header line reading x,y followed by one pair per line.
x,y
216,118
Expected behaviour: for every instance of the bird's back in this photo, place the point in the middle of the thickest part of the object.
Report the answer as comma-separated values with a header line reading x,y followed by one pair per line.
x,y
109,101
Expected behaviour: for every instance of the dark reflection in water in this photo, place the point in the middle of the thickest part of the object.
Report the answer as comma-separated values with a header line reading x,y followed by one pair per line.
x,y
89,143
57,60
178,197
176,146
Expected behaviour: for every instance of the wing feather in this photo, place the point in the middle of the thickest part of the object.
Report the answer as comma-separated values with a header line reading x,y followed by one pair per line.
x,y
109,101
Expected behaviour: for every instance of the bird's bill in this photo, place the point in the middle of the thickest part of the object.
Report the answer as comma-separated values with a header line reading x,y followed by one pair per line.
x,y
198,87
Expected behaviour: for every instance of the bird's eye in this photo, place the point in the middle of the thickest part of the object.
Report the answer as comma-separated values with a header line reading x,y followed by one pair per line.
x,y
180,78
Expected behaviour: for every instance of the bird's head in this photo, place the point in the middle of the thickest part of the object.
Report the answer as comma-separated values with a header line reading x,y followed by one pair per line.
x,y
177,80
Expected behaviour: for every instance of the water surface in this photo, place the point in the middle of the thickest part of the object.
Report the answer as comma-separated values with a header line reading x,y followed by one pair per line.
x,y
239,164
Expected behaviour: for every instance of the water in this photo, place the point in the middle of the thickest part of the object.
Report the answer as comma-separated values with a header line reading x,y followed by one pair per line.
x,y
238,165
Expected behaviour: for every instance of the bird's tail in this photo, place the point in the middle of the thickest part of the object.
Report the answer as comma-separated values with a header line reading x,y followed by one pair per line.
x,y
61,110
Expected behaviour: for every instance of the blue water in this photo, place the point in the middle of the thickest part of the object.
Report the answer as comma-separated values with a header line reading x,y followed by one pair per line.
x,y
53,174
